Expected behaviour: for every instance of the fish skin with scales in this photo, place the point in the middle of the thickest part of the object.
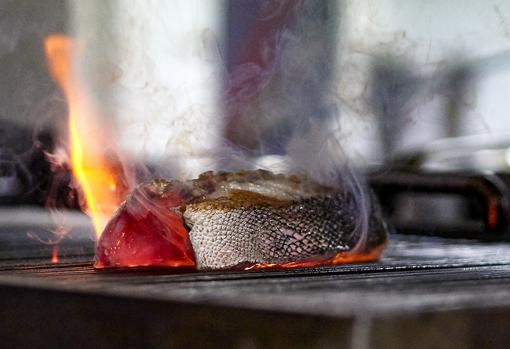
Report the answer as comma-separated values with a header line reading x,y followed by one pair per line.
x,y
243,226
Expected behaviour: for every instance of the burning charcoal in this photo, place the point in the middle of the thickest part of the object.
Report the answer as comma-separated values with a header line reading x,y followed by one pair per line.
x,y
244,219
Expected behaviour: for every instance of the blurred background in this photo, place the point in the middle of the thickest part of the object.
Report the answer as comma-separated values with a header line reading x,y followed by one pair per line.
x,y
185,78
197,85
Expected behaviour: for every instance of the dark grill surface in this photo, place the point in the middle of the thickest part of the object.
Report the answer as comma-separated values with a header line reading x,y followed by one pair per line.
x,y
421,286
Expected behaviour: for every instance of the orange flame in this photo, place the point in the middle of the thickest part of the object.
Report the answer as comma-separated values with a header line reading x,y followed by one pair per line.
x,y
100,176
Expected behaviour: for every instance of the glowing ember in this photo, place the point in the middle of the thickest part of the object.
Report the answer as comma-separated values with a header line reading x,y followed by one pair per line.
x,y
54,254
98,171
339,258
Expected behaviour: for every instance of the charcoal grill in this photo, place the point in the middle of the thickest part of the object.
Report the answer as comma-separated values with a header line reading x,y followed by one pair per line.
x,y
425,292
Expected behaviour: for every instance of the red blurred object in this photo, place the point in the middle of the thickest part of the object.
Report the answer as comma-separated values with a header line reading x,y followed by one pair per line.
x,y
146,231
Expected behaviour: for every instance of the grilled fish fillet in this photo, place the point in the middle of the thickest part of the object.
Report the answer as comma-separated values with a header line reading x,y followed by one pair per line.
x,y
257,218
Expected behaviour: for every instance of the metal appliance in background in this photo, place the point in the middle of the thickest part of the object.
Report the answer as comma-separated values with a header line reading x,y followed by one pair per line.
x,y
453,186
454,205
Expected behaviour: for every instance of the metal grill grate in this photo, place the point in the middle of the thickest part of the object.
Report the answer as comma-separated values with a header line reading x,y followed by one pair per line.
x,y
418,275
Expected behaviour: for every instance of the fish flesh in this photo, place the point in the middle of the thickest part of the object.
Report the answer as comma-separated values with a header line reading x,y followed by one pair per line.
x,y
242,219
